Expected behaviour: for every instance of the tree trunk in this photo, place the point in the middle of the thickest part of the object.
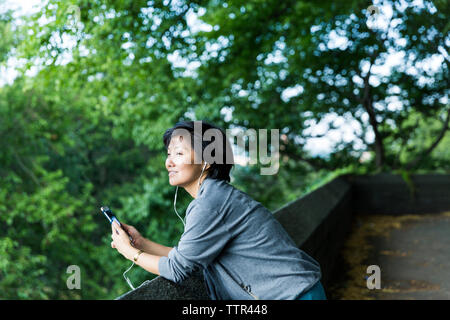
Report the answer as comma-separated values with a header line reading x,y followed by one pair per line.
x,y
368,106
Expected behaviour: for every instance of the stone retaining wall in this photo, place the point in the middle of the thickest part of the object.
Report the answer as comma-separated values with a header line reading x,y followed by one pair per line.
x,y
320,221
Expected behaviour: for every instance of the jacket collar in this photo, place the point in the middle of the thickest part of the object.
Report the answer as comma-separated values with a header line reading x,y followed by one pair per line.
x,y
203,186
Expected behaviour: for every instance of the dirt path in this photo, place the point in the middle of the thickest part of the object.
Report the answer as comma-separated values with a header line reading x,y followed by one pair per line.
x,y
412,252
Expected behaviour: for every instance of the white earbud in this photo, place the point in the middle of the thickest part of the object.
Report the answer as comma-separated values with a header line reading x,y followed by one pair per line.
x,y
202,172
176,192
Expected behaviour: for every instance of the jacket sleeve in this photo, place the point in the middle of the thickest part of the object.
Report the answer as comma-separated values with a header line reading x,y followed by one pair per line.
x,y
204,237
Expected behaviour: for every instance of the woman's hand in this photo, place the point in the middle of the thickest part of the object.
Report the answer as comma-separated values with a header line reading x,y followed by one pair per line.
x,y
121,241
137,239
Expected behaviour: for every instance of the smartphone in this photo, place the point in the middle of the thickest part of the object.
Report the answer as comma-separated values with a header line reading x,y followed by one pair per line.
x,y
109,215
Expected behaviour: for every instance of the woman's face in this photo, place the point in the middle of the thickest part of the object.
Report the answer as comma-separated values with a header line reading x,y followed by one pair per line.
x,y
180,163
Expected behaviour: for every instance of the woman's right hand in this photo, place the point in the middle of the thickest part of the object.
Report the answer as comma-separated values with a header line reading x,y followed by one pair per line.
x,y
137,241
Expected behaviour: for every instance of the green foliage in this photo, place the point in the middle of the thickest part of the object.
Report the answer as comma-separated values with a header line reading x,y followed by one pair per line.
x,y
406,176
7,39
329,54
86,130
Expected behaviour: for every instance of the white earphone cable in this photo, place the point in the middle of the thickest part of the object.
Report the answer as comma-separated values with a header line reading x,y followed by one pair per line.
x,y
176,193
175,206
127,279
201,173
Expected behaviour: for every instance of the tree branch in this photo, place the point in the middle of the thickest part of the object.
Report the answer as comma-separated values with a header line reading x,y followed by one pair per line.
x,y
25,169
422,155
290,151
368,106
310,162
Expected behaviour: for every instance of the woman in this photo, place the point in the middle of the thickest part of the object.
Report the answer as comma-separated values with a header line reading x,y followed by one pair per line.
x,y
243,250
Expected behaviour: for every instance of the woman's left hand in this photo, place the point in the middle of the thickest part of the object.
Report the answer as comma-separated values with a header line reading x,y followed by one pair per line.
x,y
121,241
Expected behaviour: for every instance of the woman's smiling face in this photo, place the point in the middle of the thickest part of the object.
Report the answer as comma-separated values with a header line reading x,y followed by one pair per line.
x,y
180,163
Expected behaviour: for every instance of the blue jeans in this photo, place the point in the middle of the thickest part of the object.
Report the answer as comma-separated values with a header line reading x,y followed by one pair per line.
x,y
315,293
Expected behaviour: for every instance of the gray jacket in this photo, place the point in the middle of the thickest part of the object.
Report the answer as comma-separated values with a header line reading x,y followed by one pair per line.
x,y
243,250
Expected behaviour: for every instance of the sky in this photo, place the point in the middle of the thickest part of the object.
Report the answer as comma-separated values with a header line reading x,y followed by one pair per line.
x,y
20,7
23,6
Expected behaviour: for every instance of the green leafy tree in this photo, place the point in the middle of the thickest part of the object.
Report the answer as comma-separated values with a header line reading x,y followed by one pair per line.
x,y
76,136
330,56
86,130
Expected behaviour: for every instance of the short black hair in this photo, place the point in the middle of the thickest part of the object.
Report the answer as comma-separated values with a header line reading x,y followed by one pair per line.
x,y
219,170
